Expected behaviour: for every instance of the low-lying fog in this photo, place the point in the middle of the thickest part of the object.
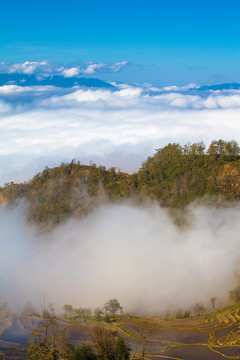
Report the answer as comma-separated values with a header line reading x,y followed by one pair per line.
x,y
133,254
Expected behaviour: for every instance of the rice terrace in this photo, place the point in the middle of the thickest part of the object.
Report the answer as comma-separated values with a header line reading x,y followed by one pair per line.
x,y
214,336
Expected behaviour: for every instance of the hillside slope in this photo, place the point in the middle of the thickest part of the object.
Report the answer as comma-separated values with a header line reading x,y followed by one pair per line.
x,y
175,176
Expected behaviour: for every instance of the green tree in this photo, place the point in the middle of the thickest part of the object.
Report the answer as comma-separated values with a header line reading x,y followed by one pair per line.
x,y
224,148
232,149
216,148
197,148
83,352
112,307
123,351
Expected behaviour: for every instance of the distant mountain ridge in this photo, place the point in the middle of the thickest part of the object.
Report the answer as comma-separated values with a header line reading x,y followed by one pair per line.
x,y
56,80
63,82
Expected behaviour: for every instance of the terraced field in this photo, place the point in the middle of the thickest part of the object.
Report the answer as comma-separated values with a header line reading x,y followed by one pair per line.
x,y
215,337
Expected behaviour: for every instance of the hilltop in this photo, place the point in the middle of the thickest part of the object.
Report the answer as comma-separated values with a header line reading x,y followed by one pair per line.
x,y
174,176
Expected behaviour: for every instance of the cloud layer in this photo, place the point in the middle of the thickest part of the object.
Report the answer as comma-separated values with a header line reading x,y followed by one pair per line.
x,y
45,125
136,255
45,67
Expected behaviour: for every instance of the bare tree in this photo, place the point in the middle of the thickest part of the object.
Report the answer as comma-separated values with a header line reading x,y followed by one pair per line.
x,y
104,341
42,302
213,302
144,330
109,345
199,309
47,341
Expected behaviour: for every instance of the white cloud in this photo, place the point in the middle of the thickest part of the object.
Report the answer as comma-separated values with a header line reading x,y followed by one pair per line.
x,y
91,68
42,126
74,71
97,98
15,89
94,67
45,67
28,67
177,88
118,66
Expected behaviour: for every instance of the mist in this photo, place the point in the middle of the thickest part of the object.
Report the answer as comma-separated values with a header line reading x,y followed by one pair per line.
x,y
45,125
137,255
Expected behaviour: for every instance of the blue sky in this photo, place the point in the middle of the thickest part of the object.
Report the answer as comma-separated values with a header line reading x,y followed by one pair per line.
x,y
158,49
165,41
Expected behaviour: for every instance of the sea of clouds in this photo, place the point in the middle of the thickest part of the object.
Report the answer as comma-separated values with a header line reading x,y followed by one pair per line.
x,y
45,125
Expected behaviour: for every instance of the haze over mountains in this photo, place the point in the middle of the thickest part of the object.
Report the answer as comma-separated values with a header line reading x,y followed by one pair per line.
x,y
92,82
49,80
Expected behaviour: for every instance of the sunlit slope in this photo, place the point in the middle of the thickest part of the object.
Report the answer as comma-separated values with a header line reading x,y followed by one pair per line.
x,y
175,176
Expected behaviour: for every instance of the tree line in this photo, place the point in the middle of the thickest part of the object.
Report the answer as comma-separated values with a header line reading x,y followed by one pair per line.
x,y
109,310
49,342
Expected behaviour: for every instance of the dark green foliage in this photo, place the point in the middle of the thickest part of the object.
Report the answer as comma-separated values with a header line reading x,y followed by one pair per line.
x,y
83,352
70,189
177,175
174,176
225,149
123,351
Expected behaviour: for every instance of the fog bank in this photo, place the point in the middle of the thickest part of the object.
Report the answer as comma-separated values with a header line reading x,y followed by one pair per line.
x,y
133,254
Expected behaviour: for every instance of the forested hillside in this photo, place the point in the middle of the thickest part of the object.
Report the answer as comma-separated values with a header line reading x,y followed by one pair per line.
x,y
174,176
